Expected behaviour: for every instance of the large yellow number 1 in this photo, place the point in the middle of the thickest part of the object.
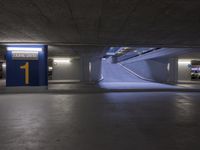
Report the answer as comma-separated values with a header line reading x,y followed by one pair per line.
x,y
26,68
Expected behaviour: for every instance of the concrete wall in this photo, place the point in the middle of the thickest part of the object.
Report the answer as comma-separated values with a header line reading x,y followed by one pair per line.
x,y
153,69
66,71
184,73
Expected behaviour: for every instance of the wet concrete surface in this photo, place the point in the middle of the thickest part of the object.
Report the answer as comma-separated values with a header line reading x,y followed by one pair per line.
x,y
109,121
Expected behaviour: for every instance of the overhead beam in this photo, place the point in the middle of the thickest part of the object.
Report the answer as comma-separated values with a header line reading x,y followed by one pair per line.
x,y
106,44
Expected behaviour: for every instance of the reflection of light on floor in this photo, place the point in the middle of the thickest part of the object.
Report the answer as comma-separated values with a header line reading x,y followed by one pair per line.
x,y
26,121
134,85
184,108
31,117
63,104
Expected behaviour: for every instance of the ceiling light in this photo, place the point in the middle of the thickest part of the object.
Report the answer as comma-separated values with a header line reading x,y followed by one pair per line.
x,y
35,49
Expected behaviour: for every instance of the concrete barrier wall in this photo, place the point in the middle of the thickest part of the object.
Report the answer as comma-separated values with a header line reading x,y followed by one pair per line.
x,y
66,71
184,72
152,69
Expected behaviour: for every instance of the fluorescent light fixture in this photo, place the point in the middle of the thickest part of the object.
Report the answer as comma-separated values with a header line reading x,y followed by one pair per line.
x,y
35,49
184,61
90,67
110,53
125,48
168,67
62,60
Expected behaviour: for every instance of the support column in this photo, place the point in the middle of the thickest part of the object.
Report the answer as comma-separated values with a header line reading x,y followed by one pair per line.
x,y
91,66
27,66
173,70
85,62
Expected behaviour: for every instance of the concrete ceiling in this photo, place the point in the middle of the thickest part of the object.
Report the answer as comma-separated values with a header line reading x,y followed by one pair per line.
x,y
62,51
192,55
101,22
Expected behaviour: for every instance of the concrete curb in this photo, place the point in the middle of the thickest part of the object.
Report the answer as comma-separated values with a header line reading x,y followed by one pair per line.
x,y
86,91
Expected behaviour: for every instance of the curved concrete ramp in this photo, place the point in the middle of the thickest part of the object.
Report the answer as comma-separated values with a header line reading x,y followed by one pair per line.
x,y
116,73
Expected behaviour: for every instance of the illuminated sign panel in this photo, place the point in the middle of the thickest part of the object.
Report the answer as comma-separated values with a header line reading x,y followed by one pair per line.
x,y
24,55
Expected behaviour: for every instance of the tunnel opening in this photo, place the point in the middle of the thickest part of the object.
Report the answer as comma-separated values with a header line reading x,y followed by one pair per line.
x,y
117,72
161,65
117,65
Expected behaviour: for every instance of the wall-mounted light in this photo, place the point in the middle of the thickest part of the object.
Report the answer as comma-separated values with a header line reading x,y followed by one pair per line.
x,y
62,60
90,67
168,67
25,49
182,61
50,68
4,65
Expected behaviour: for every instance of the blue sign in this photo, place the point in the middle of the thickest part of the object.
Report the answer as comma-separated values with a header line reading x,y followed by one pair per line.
x,y
27,66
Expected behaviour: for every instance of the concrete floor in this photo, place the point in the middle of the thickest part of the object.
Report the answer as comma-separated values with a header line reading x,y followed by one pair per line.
x,y
110,121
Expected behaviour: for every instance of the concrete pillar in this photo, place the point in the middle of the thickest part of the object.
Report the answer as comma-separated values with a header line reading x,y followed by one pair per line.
x,y
85,70
27,66
91,65
173,70
96,72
